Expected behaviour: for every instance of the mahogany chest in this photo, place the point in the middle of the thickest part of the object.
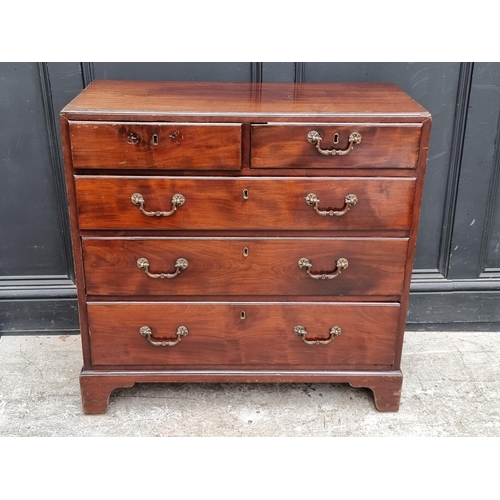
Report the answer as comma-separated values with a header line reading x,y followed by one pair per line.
x,y
243,233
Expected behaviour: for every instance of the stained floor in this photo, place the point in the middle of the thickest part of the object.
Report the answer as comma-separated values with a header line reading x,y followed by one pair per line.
x,y
451,388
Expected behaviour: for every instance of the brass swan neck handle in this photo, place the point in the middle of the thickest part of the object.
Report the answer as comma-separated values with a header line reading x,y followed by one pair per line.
x,y
147,333
349,201
315,138
177,201
301,332
307,264
180,265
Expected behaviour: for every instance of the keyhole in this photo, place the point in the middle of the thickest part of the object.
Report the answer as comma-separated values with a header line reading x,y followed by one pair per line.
x,y
245,194
245,252
243,315
155,139
336,138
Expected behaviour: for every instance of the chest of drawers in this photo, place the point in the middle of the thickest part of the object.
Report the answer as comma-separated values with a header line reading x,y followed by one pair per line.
x,y
243,233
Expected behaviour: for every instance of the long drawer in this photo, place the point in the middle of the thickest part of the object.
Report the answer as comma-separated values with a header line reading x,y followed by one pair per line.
x,y
244,266
242,335
174,146
109,202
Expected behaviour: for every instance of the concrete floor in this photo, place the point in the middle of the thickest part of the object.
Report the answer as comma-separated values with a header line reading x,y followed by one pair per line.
x,y
451,388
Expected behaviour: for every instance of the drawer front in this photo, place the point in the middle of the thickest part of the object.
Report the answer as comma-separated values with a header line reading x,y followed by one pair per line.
x,y
380,146
176,146
105,202
262,337
244,266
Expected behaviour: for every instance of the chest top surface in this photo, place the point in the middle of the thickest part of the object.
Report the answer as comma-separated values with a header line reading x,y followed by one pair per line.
x,y
109,99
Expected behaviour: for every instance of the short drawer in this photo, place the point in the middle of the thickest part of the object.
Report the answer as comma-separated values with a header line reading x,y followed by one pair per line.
x,y
237,335
335,146
175,146
107,202
244,266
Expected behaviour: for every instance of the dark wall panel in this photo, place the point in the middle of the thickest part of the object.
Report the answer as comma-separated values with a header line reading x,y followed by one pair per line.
x,y
31,236
231,72
476,208
278,72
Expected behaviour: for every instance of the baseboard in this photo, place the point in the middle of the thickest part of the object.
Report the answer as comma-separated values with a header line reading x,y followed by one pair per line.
x,y
39,317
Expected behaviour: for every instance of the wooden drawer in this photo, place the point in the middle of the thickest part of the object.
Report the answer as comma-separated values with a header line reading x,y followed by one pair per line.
x,y
220,266
104,202
218,336
381,146
126,145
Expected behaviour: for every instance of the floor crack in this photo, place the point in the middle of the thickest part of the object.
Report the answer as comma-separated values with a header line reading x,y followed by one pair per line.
x,y
30,362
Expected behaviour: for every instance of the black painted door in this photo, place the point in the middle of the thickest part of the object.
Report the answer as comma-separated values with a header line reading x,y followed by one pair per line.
x,y
456,282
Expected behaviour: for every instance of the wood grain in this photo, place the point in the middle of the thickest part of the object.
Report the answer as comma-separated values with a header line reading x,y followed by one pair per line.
x,y
180,145
217,100
97,389
382,146
217,203
219,267
265,338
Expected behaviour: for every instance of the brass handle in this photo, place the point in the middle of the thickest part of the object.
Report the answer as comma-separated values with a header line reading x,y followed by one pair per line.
x,y
315,138
180,265
146,332
349,201
307,264
177,201
301,332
